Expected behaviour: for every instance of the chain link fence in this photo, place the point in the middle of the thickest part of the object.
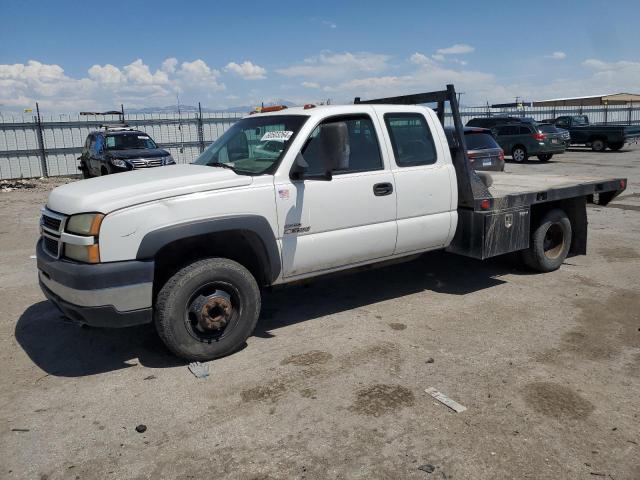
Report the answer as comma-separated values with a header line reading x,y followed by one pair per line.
x,y
40,146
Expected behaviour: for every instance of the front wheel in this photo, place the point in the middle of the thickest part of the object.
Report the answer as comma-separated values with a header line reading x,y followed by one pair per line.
x,y
207,309
598,145
545,157
519,154
615,146
550,242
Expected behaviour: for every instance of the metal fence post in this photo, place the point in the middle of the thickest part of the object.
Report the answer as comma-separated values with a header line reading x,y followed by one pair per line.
x,y
606,113
43,152
200,129
630,110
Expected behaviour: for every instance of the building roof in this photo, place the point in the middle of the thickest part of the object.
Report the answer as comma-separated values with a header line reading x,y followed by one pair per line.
x,y
608,99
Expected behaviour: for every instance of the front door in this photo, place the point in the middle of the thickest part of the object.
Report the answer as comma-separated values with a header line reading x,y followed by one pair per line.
x,y
348,220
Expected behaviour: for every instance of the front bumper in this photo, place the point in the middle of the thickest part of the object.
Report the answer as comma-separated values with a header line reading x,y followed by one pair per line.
x,y
117,294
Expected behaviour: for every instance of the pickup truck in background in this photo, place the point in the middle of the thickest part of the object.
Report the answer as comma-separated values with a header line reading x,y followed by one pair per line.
x,y
598,137
286,195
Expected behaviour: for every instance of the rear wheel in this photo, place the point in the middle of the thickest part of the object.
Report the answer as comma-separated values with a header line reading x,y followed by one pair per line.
x,y
545,157
207,309
550,242
615,146
598,145
519,154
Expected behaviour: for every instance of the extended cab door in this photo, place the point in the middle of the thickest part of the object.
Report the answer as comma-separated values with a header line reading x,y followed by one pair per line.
x,y
350,219
424,176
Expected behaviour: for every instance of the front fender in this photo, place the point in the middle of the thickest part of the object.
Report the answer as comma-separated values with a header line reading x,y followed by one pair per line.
x,y
154,241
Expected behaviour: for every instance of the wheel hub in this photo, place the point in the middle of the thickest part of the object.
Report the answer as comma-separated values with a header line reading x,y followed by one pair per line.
x,y
212,312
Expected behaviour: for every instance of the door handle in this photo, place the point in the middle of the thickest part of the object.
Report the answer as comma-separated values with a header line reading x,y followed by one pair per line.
x,y
381,189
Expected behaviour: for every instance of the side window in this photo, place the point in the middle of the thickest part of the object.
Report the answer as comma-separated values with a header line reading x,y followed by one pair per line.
x,y
411,139
98,145
363,150
524,130
508,130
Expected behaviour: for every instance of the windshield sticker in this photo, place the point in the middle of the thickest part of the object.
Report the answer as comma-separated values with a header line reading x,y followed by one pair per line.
x,y
143,137
281,135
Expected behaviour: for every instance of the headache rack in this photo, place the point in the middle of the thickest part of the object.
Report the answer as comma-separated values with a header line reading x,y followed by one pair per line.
x,y
472,192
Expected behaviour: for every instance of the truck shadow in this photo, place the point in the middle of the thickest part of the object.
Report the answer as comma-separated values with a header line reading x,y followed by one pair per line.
x,y
438,272
67,350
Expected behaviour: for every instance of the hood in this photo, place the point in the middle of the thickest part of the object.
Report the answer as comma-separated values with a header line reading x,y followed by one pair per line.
x,y
137,153
112,192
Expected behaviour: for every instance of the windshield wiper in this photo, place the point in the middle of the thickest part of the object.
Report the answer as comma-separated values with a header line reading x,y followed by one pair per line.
x,y
223,165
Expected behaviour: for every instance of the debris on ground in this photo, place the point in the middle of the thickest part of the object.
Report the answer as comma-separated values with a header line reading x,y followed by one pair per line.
x,y
10,185
430,360
200,370
150,377
442,398
19,429
427,467
141,428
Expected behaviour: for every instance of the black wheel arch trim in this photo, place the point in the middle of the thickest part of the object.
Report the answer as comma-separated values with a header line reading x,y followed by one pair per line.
x,y
269,253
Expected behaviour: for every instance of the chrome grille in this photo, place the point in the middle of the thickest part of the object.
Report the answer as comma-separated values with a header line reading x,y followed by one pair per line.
x,y
146,162
51,224
51,245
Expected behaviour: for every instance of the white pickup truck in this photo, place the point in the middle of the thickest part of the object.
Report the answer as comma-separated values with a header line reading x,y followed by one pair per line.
x,y
286,195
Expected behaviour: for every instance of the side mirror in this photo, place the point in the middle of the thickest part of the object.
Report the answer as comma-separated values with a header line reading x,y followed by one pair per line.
x,y
300,168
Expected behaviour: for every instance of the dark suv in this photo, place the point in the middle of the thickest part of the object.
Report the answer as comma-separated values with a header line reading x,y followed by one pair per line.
x,y
520,140
120,149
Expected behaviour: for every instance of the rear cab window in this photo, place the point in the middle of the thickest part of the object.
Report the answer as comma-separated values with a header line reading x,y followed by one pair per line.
x,y
411,139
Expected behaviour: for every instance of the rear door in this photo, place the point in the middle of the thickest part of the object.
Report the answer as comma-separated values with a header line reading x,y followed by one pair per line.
x,y
424,178
348,220
506,136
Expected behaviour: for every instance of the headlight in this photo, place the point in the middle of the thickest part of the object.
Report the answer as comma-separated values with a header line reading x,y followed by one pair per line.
x,y
82,253
168,160
85,224
119,163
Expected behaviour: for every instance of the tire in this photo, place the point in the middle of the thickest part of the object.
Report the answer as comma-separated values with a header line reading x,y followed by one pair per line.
x,y
227,293
550,242
519,154
615,146
545,157
598,145
104,171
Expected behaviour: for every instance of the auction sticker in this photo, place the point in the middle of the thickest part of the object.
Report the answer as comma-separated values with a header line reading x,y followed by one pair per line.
x,y
282,135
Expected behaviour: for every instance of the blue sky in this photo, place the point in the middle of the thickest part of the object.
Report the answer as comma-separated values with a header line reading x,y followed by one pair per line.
x,y
76,55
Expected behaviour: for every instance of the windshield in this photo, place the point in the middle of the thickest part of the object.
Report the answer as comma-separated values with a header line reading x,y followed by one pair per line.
x,y
547,128
480,141
580,120
133,141
253,145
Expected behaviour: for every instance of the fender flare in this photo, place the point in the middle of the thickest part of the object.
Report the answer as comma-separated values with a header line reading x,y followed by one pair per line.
x,y
269,253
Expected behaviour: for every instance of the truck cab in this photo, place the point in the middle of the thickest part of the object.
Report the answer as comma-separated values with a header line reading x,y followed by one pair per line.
x,y
286,195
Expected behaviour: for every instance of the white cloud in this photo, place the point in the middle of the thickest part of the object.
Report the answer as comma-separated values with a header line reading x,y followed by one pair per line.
x,y
457,49
169,65
330,65
310,85
438,56
198,73
420,59
329,24
247,70
557,56
106,74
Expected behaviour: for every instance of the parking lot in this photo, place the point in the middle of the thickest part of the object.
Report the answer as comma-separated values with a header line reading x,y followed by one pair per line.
x,y
332,384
